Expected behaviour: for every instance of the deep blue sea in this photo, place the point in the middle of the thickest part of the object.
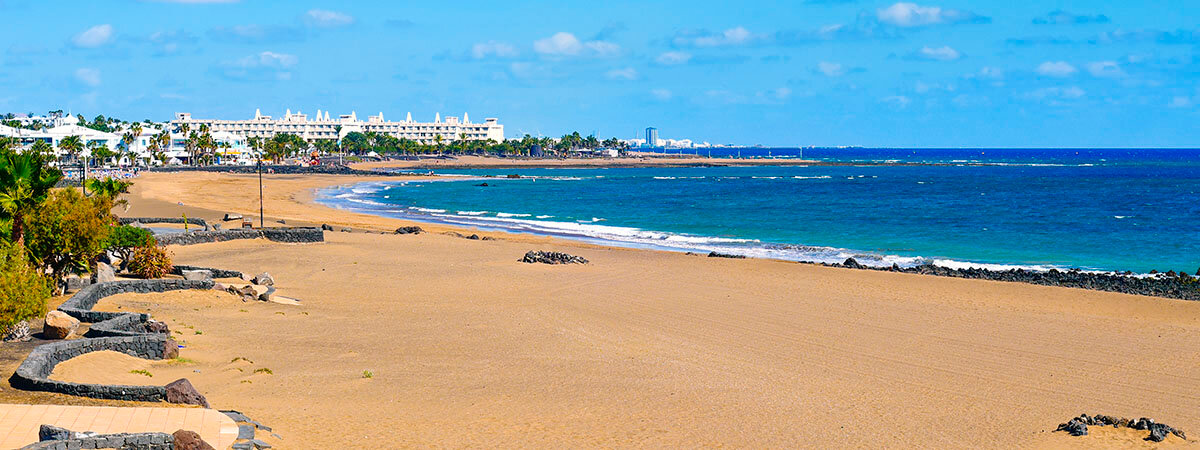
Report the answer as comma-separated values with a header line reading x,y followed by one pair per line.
x,y
1102,210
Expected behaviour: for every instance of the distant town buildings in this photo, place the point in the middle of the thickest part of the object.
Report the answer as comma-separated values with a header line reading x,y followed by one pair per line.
x,y
652,137
322,127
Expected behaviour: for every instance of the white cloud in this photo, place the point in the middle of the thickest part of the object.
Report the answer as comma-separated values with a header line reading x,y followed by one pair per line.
x,y
673,58
88,76
627,73
1058,93
94,37
732,36
944,53
904,14
831,69
1056,69
1105,69
325,18
269,59
922,87
197,2
493,48
1180,102
898,101
994,73
661,94
566,44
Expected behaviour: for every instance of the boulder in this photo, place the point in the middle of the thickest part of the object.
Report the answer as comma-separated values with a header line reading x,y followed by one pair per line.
x,y
326,227
105,273
216,227
59,325
408,230
263,279
154,326
197,275
552,258
251,292
53,433
725,255
170,349
230,216
19,332
189,440
182,391
851,263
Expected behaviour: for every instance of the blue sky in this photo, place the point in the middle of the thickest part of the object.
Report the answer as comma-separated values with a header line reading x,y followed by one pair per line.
x,y
816,72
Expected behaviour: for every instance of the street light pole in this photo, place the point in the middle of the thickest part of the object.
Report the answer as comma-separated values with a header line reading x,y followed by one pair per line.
x,y
260,194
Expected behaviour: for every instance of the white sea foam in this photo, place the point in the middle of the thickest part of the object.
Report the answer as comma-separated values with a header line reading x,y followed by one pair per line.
x,y
664,178
512,215
1120,217
472,213
822,177
544,217
427,210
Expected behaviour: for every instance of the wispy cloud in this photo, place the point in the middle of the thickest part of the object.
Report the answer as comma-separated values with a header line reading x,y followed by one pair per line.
x,y
897,101
88,76
495,49
943,53
258,34
704,38
673,58
905,14
1060,17
627,73
661,94
1059,69
563,44
327,19
1057,93
265,65
831,69
94,37
1105,69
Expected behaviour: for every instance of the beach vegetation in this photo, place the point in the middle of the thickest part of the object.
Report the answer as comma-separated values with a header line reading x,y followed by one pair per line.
x,y
180,361
142,372
149,261
109,187
66,233
264,370
23,291
123,239
25,182
241,358
368,374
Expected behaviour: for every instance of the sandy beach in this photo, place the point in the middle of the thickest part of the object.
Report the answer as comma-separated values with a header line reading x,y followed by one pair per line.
x,y
468,347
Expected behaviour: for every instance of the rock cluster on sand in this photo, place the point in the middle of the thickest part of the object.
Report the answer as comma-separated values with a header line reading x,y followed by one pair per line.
x,y
59,325
409,230
231,216
19,332
725,255
197,275
1158,432
263,279
534,256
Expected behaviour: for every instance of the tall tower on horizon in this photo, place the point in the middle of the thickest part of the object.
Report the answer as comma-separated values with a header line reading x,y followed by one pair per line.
x,y
651,137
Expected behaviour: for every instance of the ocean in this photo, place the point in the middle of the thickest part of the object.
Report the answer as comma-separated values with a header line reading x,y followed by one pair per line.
x,y
1102,210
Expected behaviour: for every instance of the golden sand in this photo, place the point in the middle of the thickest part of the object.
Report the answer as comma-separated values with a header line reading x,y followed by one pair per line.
x,y
468,347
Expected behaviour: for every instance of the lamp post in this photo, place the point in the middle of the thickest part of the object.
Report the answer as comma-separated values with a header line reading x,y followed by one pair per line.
x,y
260,193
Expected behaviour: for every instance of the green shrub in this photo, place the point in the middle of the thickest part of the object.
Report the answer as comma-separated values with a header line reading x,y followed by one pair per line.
x,y
23,292
150,261
67,232
124,238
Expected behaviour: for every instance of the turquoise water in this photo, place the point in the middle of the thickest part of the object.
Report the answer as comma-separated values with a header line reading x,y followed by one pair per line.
x,y
1129,210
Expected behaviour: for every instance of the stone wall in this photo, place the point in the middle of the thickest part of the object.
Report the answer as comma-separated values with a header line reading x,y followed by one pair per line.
x,y
80,305
178,220
290,235
216,273
33,373
123,441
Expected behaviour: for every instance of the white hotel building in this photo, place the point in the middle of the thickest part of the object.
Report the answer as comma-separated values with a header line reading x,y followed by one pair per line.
x,y
322,127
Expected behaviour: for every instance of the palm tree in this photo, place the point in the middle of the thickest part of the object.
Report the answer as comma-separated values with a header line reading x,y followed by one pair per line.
x,y
25,180
72,145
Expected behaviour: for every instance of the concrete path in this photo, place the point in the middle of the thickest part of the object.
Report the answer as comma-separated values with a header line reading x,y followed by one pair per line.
x,y
19,423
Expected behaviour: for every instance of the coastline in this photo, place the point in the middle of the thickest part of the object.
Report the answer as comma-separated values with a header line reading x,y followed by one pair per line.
x,y
642,160
469,346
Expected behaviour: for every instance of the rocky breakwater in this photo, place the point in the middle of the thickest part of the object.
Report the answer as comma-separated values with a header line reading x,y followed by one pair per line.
x,y
1172,284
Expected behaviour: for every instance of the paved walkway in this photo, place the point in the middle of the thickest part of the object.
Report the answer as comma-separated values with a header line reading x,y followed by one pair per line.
x,y
19,423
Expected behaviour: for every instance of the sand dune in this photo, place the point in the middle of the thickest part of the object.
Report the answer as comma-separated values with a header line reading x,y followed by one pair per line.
x,y
468,347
